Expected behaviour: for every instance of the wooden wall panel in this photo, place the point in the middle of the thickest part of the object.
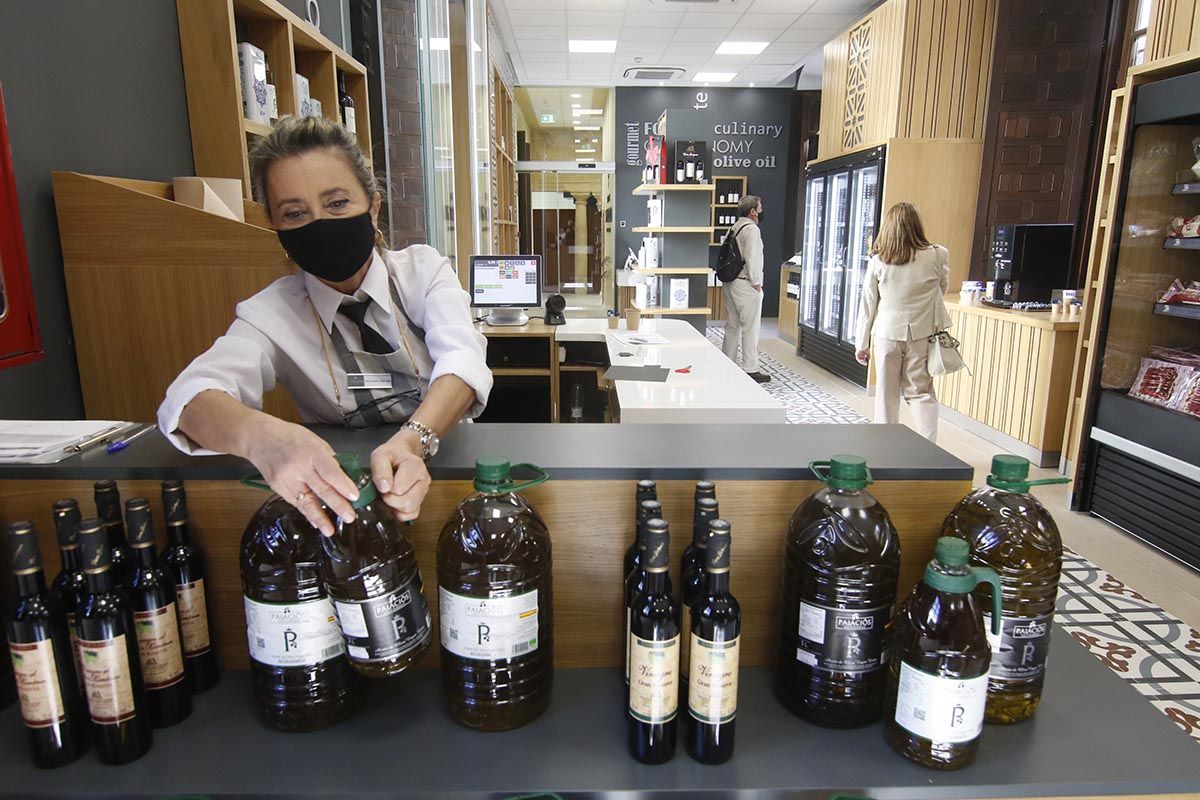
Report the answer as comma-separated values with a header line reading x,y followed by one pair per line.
x,y
1174,28
943,82
591,524
1042,101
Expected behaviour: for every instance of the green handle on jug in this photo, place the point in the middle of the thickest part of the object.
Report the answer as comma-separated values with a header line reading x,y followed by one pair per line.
x,y
988,575
820,469
542,476
255,481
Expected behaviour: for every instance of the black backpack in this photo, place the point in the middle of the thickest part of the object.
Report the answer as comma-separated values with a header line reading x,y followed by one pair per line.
x,y
729,259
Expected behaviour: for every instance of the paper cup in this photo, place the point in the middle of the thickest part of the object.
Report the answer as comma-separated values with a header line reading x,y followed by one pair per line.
x,y
633,319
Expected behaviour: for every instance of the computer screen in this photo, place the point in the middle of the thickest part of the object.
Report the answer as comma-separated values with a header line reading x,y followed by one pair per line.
x,y
506,281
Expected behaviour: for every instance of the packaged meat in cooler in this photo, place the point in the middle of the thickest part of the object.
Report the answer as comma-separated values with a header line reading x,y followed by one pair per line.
x,y
1185,227
1187,398
1187,356
1158,381
1177,292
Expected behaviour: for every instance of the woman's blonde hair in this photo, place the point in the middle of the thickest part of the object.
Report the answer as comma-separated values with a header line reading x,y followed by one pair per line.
x,y
293,136
900,236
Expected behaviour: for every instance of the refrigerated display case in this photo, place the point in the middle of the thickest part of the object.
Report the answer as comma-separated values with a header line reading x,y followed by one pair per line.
x,y
843,204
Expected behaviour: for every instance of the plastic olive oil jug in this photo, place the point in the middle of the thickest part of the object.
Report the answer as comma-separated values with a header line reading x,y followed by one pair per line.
x,y
1011,532
841,564
496,603
937,683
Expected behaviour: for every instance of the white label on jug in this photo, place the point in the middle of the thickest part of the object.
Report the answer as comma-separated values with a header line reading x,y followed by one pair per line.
x,y
293,634
943,710
489,628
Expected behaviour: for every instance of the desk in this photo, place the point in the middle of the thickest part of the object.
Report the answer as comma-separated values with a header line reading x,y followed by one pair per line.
x,y
1017,396
714,391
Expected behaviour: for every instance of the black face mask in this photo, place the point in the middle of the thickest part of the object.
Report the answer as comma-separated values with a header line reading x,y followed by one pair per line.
x,y
333,248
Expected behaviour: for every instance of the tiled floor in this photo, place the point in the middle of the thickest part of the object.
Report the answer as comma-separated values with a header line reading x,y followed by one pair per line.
x,y
1134,608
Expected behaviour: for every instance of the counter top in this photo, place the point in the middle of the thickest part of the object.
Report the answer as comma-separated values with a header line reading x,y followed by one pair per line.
x,y
1033,319
579,452
1094,735
715,390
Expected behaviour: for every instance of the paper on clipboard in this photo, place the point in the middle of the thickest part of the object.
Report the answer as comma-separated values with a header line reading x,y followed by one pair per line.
x,y
50,441
636,339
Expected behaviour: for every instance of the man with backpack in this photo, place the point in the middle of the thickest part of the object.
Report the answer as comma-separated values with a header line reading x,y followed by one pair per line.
x,y
740,270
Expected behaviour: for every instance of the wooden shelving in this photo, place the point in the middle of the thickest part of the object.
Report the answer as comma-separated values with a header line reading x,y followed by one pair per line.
x,y
655,188
722,185
505,228
672,229
209,31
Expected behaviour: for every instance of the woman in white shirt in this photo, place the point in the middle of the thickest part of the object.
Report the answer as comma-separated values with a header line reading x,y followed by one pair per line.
x,y
902,307
361,336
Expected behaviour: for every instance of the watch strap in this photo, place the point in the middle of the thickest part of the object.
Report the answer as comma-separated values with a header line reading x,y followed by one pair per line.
x,y
425,434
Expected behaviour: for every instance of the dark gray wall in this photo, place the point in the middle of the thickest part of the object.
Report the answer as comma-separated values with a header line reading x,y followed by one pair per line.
x,y
767,171
94,87
333,18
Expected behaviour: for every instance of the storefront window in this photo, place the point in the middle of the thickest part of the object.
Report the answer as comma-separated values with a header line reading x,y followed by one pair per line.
x,y
1137,37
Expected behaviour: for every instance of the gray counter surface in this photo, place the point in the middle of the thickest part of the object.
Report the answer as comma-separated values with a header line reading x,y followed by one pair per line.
x,y
1093,736
579,452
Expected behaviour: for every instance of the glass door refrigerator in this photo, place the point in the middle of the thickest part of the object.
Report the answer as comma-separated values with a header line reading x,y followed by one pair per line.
x,y
842,208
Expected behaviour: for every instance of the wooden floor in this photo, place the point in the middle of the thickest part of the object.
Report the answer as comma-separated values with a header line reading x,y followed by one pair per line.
x,y
1160,578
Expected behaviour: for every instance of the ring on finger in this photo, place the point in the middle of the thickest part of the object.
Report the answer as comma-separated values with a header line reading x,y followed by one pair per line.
x,y
300,497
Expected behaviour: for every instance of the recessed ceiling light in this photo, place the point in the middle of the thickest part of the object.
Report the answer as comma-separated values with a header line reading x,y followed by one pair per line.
x,y
575,95
580,112
741,48
714,77
578,141
660,83
587,127
576,105
594,141
751,83
585,160
592,45
585,149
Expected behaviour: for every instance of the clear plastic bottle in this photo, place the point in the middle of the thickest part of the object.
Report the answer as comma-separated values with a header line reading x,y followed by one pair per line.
x,y
937,682
842,561
371,572
1009,531
496,603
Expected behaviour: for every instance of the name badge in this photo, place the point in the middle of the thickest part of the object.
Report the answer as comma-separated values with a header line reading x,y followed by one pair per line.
x,y
369,380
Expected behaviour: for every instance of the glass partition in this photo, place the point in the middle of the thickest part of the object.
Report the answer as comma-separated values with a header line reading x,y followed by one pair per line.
x,y
836,243
437,126
862,233
814,232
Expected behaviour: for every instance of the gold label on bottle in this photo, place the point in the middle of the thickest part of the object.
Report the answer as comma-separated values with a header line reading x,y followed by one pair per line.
x,y
158,646
653,679
713,680
106,676
37,684
193,618
76,651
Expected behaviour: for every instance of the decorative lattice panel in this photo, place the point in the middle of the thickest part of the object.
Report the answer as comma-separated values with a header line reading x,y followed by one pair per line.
x,y
857,61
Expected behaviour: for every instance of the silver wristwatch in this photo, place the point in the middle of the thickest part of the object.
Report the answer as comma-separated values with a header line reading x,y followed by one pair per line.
x,y
430,442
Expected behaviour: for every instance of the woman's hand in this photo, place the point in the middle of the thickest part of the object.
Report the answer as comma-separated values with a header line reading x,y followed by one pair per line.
x,y
400,475
301,468
863,356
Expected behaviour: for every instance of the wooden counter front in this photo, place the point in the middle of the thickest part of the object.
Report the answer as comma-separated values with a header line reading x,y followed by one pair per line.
x,y
1016,394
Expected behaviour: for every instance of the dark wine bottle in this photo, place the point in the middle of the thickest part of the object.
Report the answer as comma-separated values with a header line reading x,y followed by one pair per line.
x,y
156,621
636,580
186,564
51,705
108,509
691,573
646,490
653,695
715,634
112,674
346,103
70,586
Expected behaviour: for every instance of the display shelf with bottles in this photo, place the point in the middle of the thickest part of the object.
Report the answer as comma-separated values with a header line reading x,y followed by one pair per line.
x,y
505,232
222,130
727,191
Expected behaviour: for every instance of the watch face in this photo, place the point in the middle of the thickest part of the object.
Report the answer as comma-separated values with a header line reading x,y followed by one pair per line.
x,y
433,445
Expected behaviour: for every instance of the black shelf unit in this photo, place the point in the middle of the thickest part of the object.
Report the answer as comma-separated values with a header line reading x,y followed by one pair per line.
x,y
1177,310
1181,243
1187,187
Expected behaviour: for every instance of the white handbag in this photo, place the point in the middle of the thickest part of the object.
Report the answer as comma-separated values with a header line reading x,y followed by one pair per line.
x,y
944,355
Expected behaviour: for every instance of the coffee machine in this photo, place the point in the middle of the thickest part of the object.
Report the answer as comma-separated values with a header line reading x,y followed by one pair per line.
x,y
1027,262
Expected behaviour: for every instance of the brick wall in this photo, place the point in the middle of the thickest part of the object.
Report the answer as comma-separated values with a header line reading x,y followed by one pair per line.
x,y
403,101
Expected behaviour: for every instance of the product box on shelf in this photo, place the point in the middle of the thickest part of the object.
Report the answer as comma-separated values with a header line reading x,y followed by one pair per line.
x,y
253,67
656,160
691,162
302,96
679,292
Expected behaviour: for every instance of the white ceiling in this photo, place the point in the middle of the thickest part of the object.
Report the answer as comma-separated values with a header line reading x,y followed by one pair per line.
x,y
669,33
558,101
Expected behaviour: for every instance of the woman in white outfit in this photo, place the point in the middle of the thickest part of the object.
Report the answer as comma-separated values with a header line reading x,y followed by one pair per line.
x,y
902,307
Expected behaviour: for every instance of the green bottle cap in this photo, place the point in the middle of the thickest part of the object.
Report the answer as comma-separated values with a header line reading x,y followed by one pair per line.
x,y
952,552
493,475
843,472
353,469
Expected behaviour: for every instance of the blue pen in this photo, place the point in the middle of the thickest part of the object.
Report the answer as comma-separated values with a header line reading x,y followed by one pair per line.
x,y
121,444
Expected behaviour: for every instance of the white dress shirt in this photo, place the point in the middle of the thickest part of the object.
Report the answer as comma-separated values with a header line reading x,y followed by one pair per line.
x,y
277,338
904,302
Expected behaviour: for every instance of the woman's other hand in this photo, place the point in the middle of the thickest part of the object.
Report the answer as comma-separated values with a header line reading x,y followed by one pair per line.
x,y
302,469
863,356
400,475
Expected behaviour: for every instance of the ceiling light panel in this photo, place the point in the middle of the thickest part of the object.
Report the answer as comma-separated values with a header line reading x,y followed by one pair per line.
x,y
714,77
587,127
586,112
592,45
734,48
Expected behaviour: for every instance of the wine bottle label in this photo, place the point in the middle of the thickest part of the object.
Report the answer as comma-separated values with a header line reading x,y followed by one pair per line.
x,y
386,626
489,628
1019,652
839,640
158,646
107,680
193,618
653,679
685,645
713,679
348,114
942,710
37,684
293,634
76,651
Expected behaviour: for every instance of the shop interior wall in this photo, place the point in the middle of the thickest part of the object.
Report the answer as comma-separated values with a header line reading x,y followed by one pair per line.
x,y
402,102
1044,100
706,114
95,88
334,17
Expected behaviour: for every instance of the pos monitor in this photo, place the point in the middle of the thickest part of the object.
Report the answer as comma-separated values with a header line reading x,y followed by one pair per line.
x,y
507,285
